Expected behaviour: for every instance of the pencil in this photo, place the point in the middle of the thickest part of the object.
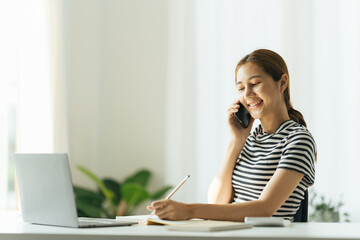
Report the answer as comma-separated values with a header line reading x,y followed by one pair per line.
x,y
173,191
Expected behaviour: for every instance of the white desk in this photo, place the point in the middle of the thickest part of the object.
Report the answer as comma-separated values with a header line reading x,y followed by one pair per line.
x,y
12,227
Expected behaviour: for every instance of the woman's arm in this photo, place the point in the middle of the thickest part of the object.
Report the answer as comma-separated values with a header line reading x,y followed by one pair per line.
x,y
276,192
221,190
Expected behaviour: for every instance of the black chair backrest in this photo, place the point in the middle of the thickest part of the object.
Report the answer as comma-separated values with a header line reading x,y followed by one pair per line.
x,y
302,213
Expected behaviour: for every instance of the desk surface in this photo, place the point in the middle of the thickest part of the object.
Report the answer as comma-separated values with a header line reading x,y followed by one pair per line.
x,y
12,227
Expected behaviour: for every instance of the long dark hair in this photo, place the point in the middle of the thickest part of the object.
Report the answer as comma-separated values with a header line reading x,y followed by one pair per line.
x,y
274,65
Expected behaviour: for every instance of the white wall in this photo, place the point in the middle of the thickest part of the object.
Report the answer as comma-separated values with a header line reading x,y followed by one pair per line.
x,y
115,74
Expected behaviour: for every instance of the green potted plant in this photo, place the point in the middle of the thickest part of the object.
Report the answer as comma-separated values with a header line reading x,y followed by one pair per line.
x,y
326,211
113,198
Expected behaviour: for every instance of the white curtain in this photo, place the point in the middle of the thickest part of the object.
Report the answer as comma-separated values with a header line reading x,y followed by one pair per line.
x,y
180,111
35,105
7,65
319,40
26,99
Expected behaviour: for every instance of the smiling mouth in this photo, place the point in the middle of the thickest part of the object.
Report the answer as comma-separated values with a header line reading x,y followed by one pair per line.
x,y
256,104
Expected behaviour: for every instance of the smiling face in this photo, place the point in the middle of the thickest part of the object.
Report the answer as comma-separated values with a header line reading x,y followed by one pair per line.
x,y
259,93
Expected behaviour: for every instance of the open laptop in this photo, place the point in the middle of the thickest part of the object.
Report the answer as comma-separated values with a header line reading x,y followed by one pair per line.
x,y
46,192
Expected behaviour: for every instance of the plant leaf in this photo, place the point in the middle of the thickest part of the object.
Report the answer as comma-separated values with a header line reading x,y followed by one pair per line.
x,y
141,177
108,194
91,197
134,194
113,186
87,208
160,193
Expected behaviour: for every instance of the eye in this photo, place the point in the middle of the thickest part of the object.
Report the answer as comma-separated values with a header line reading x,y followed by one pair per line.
x,y
254,84
241,89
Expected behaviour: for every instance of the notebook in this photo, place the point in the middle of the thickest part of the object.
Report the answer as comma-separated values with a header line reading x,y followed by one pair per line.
x,y
267,221
46,192
197,225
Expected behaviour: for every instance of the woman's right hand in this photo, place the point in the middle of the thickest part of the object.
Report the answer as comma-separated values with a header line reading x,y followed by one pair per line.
x,y
236,130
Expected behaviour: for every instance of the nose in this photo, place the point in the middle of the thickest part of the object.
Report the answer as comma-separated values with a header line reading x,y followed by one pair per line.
x,y
248,92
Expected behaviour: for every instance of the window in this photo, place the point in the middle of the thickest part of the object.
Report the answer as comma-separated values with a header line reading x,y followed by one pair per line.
x,y
25,87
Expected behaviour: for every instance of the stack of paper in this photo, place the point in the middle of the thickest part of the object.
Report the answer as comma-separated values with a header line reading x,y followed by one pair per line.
x,y
267,221
209,226
189,225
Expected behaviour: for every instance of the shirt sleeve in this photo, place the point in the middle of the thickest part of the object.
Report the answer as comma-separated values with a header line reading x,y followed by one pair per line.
x,y
299,155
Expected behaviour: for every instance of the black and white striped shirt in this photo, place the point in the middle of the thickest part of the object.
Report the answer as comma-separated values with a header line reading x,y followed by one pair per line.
x,y
291,147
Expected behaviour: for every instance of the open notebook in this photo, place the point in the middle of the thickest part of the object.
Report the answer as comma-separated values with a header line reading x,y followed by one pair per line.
x,y
188,225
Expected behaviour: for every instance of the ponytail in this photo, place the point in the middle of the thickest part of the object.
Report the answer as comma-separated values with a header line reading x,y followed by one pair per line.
x,y
296,116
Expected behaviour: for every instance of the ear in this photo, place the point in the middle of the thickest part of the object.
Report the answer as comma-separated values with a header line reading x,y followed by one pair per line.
x,y
283,82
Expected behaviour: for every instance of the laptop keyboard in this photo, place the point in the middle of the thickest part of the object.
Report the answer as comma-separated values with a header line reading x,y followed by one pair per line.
x,y
90,222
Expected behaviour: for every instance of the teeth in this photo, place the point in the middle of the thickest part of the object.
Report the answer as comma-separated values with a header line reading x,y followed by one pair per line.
x,y
254,104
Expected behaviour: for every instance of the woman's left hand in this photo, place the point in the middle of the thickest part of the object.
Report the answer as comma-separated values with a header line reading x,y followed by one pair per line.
x,y
171,210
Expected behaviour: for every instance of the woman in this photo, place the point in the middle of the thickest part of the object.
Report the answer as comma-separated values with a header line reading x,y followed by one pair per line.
x,y
267,172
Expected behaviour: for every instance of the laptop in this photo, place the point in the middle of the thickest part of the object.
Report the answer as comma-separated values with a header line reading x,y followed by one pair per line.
x,y
46,192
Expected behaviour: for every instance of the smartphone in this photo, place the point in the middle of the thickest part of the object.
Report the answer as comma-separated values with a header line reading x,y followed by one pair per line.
x,y
243,116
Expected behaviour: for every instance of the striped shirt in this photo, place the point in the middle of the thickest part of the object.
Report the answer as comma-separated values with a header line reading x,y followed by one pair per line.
x,y
291,147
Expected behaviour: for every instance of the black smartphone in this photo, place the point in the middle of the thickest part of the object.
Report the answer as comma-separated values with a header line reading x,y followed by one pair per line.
x,y
243,116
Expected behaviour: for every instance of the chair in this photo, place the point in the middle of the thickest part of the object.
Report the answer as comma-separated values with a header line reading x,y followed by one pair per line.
x,y
302,213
